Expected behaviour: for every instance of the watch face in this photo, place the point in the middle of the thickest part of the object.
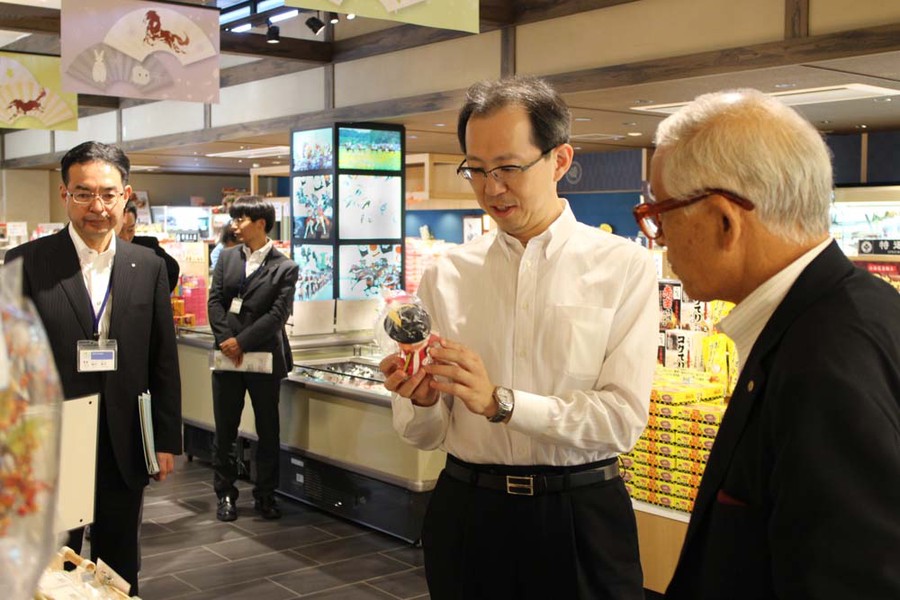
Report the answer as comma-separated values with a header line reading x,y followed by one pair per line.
x,y
504,395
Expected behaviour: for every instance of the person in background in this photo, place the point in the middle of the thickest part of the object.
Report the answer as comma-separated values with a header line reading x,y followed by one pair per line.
x,y
251,298
87,288
227,239
801,493
129,219
548,332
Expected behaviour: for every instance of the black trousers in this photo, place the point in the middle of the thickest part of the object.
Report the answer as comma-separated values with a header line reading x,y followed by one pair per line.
x,y
115,532
575,544
228,403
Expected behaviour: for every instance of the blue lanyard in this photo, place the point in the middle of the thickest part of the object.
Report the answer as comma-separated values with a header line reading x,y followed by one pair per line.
x,y
98,315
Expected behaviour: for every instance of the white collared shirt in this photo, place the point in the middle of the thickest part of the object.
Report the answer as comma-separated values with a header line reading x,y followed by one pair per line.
x,y
254,260
746,320
96,268
569,322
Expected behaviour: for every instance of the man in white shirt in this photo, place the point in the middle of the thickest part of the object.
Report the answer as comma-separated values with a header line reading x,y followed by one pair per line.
x,y
548,331
800,495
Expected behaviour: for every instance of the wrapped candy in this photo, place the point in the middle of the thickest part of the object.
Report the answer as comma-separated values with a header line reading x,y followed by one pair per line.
x,y
408,327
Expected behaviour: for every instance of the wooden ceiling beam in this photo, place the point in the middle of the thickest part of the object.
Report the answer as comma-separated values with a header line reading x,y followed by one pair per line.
x,y
255,44
29,19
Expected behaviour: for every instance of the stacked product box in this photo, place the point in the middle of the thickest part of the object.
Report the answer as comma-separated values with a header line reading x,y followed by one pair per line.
x,y
668,460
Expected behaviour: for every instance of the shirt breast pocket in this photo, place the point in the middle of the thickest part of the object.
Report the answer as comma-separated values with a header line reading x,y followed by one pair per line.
x,y
582,333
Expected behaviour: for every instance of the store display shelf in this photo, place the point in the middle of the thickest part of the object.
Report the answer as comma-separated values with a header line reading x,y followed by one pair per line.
x,y
661,511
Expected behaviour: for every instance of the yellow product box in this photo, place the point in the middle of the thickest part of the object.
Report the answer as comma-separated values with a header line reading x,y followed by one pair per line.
x,y
714,391
693,467
674,393
661,410
639,494
639,482
697,454
660,487
652,472
683,504
661,462
641,445
701,412
695,428
660,422
694,441
661,449
661,499
640,456
686,479
659,435
626,460
683,491
627,475
177,307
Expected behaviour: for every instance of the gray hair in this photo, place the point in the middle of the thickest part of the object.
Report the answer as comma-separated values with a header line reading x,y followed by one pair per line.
x,y
757,147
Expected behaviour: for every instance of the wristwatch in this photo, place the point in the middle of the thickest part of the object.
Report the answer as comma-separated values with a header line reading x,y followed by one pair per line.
x,y
506,401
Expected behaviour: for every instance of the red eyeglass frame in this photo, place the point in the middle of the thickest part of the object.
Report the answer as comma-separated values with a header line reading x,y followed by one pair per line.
x,y
651,210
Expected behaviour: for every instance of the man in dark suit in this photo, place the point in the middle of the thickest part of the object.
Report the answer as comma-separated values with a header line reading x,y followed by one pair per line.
x,y
89,288
129,220
251,298
801,494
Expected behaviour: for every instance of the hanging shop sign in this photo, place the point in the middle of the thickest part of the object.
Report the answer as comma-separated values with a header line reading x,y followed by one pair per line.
x,y
879,246
31,95
461,15
139,49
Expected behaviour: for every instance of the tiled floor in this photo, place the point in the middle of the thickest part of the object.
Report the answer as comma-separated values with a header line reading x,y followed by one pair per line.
x,y
189,555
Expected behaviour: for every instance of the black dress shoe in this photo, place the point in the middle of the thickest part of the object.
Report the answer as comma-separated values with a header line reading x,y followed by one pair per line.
x,y
267,508
226,511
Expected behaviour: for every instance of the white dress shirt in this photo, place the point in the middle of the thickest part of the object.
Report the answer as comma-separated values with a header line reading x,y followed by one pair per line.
x,y
746,320
255,259
96,268
569,322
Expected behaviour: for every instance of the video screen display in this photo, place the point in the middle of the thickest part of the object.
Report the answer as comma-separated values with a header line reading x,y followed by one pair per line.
x,y
369,149
367,269
311,150
312,201
316,274
371,207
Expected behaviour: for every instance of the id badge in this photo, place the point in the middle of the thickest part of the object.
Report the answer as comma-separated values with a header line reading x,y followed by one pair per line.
x,y
97,356
236,304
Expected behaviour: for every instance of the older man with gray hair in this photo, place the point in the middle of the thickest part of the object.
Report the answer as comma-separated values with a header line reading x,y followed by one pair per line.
x,y
801,495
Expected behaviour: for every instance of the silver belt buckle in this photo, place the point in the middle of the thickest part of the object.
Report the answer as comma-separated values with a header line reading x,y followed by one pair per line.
x,y
520,485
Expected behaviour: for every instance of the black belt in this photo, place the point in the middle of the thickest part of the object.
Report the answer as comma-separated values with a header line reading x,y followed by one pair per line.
x,y
532,484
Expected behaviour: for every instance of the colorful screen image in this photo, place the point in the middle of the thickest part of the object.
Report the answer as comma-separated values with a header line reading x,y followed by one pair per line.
x,y
312,201
316,275
369,149
311,150
367,269
370,207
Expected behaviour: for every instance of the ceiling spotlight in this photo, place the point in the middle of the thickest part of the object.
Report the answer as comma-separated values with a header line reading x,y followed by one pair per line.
x,y
315,25
273,34
351,16
333,18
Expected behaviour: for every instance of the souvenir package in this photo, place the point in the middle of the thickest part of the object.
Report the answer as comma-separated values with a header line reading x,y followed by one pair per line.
x,y
30,408
404,326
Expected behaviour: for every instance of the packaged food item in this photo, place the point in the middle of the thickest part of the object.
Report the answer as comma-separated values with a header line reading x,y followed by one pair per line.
x,y
694,441
690,480
404,326
695,428
659,435
659,422
696,454
689,466
669,304
684,348
683,504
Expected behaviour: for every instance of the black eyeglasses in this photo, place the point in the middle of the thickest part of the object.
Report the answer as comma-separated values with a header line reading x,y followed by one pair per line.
x,y
504,174
646,214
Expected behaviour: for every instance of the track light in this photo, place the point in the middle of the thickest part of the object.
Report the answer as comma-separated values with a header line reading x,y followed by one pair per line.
x,y
315,25
350,16
273,34
333,18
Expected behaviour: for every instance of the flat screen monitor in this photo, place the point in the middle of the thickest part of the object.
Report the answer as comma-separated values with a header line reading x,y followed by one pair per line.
x,y
311,150
315,280
369,149
370,207
367,269
312,200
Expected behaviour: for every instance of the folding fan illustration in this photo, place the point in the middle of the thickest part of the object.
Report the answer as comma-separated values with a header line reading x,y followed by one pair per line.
x,y
101,66
142,32
22,96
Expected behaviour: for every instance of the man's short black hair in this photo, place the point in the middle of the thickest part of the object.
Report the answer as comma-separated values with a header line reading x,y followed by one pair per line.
x,y
131,207
96,151
255,207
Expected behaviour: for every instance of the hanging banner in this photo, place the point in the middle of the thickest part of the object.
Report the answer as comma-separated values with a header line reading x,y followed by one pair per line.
x,y
460,15
31,95
139,49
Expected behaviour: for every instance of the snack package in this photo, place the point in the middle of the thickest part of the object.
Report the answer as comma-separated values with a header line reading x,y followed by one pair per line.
x,y
404,326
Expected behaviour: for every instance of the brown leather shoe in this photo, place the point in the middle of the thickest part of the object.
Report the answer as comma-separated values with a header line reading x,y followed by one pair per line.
x,y
267,508
226,511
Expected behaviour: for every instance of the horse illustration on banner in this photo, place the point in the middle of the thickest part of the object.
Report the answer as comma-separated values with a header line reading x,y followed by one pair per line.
x,y
24,107
156,33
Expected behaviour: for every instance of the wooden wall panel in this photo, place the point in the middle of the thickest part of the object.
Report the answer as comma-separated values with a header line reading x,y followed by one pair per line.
x,y
829,16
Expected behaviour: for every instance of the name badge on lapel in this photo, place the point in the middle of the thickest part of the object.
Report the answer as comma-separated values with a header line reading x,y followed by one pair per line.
x,y
97,356
236,304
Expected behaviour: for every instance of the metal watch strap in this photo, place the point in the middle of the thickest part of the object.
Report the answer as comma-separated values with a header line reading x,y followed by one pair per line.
x,y
504,407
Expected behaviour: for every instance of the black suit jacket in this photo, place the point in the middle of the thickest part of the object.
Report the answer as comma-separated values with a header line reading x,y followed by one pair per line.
x,y
801,495
268,299
140,322
172,268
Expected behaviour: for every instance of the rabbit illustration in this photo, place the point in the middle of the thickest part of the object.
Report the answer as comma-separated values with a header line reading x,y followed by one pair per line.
x,y
99,71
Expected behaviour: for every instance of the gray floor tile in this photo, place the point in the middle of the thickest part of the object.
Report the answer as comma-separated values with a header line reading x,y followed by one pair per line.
x,y
149,529
189,539
343,549
343,529
269,542
163,588
408,584
179,491
188,521
339,574
292,517
244,570
411,555
167,507
185,559
359,591
255,590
